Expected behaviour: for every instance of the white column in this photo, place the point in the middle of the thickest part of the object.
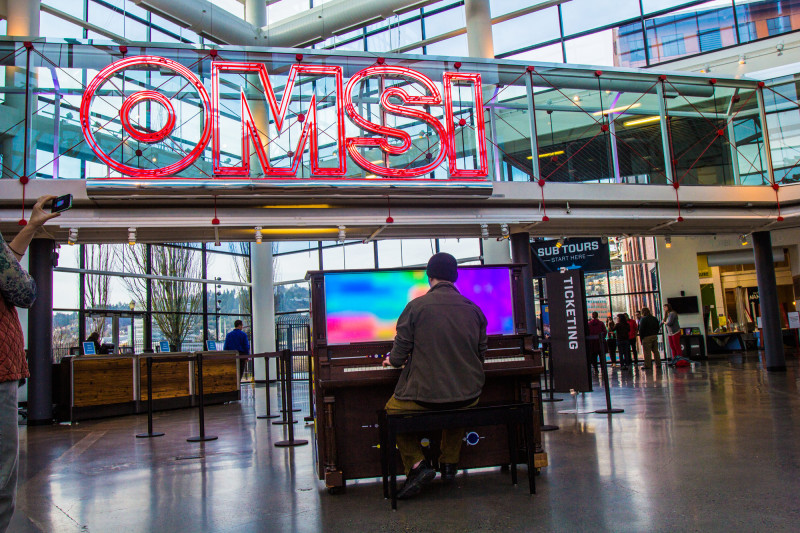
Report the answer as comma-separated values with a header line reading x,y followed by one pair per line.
x,y
23,18
261,269
479,28
255,12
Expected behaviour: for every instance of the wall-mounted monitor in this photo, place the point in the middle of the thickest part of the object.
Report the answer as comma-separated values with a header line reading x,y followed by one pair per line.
x,y
684,304
363,306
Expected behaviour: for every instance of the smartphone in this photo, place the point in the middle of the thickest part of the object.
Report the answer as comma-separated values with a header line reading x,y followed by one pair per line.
x,y
62,203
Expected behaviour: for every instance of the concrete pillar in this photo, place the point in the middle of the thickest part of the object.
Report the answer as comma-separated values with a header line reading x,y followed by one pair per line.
x,y
255,12
261,269
23,18
774,358
521,253
22,21
479,28
40,333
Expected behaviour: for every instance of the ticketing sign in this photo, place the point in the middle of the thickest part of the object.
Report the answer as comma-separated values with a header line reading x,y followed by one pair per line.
x,y
415,99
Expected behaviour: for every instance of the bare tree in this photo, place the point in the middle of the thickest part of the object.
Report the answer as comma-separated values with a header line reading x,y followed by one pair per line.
x,y
172,299
98,257
241,265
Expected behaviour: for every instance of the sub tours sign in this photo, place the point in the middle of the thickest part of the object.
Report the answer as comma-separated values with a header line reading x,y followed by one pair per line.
x,y
590,255
567,309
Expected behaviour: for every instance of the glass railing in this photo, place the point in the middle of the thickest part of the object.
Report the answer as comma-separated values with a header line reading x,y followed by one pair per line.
x,y
179,117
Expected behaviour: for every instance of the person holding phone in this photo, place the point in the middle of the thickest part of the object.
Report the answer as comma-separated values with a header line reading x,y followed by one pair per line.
x,y
17,289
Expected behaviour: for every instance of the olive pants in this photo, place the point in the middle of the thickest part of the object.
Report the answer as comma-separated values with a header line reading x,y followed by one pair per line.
x,y
650,349
409,443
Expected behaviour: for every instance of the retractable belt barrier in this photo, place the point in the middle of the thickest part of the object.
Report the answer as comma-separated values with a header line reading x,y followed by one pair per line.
x,y
284,359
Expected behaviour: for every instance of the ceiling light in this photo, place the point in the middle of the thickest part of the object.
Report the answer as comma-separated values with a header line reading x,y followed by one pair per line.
x,y
548,154
131,236
742,59
638,121
258,235
743,240
297,206
706,69
484,231
668,242
73,236
560,242
504,230
296,231
620,109
342,233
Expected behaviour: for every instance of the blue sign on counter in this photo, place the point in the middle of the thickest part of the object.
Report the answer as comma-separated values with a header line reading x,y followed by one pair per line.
x,y
163,346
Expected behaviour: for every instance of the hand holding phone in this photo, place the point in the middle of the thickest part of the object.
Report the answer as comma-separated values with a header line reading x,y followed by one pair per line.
x,y
62,203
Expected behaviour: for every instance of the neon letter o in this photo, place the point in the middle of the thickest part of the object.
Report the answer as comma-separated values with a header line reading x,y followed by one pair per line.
x,y
160,62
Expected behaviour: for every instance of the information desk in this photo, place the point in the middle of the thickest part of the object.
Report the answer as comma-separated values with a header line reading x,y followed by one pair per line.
x,y
111,385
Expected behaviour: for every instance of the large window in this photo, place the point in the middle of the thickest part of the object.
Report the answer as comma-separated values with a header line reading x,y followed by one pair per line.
x,y
136,296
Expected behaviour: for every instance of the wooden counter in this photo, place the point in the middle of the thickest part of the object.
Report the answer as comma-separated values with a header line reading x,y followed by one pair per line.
x,y
112,385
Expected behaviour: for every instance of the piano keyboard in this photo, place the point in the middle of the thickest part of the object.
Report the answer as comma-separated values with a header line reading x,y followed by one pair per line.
x,y
367,367
505,359
364,368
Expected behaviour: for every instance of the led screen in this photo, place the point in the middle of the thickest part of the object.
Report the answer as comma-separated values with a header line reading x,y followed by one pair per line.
x,y
365,306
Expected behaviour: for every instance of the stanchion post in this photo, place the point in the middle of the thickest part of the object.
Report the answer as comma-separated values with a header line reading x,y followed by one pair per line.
x,y
310,417
149,434
269,409
550,377
285,379
542,425
287,356
608,410
201,414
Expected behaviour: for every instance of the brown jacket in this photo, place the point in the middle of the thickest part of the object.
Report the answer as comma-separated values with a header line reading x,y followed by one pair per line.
x,y
441,338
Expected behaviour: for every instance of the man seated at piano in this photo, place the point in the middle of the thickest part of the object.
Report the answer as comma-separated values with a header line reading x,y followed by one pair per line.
x,y
441,339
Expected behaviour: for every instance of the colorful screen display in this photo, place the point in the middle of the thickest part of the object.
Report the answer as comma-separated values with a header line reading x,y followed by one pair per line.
x,y
365,306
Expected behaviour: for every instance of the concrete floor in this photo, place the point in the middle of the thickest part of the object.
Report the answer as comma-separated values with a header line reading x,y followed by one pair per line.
x,y
711,448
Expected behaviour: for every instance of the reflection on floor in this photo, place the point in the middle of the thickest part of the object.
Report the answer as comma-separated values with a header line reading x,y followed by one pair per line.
x,y
713,447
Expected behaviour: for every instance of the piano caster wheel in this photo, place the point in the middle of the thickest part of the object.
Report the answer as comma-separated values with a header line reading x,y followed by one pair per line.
x,y
333,491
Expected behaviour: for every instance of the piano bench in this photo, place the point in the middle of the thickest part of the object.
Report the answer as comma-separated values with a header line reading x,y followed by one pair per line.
x,y
512,415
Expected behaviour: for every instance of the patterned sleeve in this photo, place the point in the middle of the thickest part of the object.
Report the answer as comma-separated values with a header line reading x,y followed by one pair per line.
x,y
16,286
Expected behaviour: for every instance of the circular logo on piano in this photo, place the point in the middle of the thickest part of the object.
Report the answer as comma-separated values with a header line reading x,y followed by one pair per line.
x,y
472,438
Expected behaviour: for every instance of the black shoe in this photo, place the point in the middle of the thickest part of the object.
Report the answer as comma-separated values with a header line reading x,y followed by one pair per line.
x,y
416,479
449,471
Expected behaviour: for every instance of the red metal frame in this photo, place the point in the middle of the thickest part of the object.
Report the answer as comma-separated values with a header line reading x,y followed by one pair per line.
x,y
159,62
139,135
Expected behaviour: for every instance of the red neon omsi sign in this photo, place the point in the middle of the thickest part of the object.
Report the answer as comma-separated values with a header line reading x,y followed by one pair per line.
x,y
411,107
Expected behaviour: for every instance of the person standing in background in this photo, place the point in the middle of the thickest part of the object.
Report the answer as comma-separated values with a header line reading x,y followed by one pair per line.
x,y
673,332
236,339
611,340
648,331
632,337
623,331
597,336
17,289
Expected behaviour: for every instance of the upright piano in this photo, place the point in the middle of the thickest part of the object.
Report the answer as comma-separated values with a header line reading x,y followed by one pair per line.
x,y
351,385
